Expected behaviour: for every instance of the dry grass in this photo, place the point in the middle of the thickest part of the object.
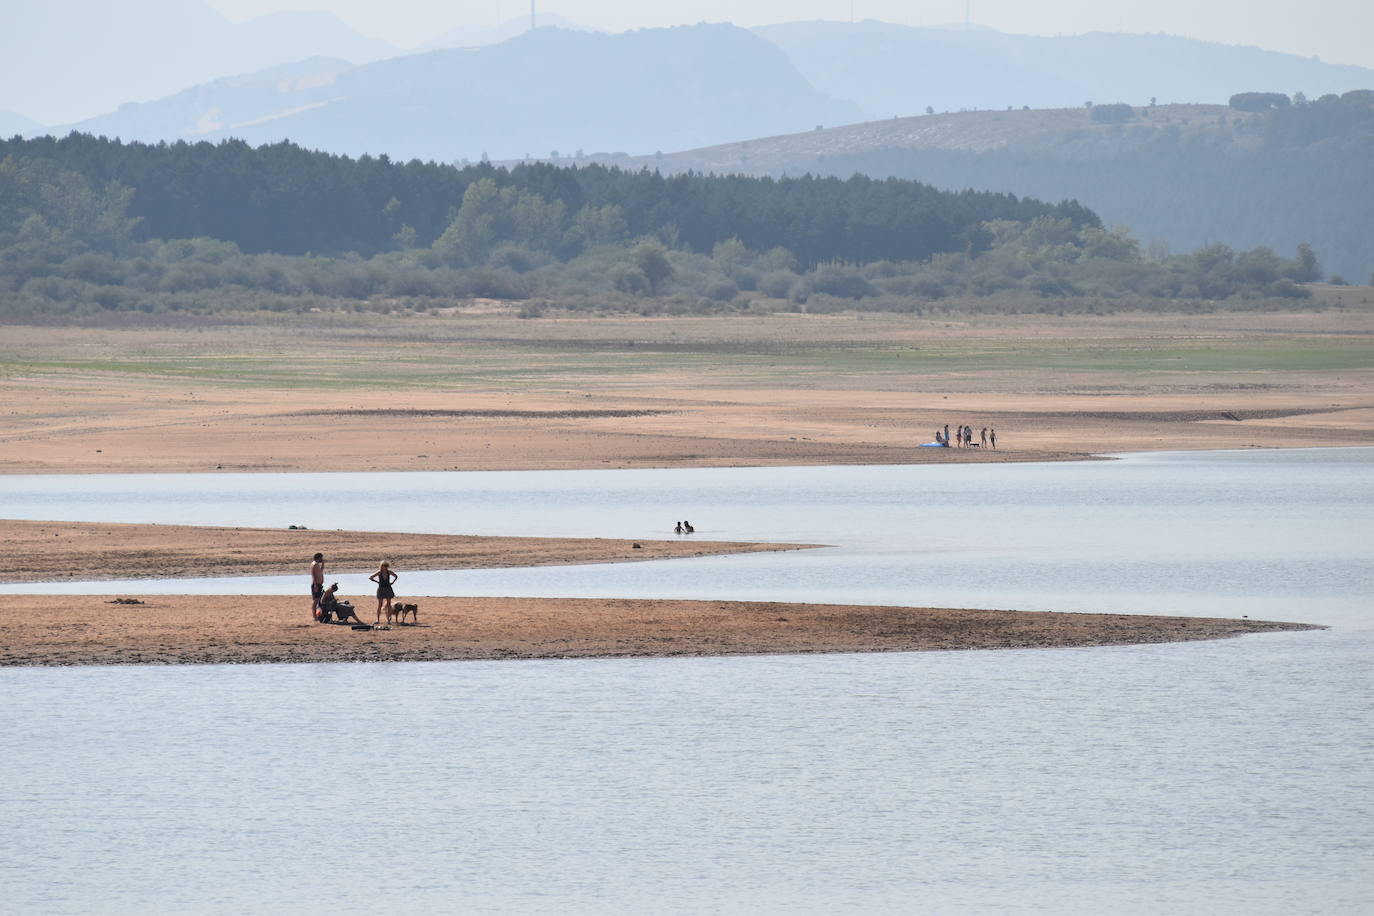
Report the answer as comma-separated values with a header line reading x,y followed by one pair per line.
x,y
477,391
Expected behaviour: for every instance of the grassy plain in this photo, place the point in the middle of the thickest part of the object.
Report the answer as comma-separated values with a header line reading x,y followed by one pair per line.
x,y
482,389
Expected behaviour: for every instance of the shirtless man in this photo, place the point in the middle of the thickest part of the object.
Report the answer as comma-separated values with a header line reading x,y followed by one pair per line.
x,y
316,584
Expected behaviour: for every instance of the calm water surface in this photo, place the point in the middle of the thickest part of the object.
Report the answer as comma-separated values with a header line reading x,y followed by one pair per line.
x,y
1263,533
1229,777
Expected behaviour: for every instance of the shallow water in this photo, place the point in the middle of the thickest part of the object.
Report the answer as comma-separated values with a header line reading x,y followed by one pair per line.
x,y
1224,777
1283,534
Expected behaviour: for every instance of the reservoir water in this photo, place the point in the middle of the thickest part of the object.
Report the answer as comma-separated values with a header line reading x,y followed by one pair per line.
x,y
1276,533
1227,777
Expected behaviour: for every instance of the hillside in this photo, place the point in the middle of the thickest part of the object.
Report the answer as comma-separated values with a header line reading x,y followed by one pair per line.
x,y
78,58
232,104
1183,175
892,69
644,90
11,123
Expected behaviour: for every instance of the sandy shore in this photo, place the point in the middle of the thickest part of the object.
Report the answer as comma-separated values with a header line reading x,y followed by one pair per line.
x,y
106,429
93,630
79,551
464,390
59,630
360,393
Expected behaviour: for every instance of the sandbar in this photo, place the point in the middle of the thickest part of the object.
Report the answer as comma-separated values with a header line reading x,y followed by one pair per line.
x,y
63,630
92,551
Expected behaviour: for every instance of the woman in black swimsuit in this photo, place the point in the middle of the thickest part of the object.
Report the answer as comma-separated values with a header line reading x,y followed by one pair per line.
x,y
384,577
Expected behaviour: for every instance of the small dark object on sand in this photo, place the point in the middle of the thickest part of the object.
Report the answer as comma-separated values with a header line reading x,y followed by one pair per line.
x,y
637,546
124,601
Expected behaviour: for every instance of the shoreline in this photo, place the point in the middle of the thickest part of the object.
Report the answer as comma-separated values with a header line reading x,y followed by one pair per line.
x,y
53,552
1007,457
81,630
1002,457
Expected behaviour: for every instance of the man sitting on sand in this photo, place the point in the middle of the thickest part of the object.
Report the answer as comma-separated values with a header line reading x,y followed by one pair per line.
x,y
331,606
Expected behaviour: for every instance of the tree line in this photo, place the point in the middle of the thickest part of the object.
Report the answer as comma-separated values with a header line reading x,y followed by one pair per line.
x,y
286,200
75,239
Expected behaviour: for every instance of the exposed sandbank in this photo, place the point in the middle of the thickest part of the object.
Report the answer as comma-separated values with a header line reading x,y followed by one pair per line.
x,y
474,392
55,630
79,551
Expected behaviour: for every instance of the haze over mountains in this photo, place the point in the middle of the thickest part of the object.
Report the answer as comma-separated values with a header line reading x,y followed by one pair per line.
x,y
717,92
65,60
160,49
672,89
548,89
899,70
476,36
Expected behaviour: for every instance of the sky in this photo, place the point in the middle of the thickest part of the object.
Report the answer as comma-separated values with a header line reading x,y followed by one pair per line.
x,y
1337,31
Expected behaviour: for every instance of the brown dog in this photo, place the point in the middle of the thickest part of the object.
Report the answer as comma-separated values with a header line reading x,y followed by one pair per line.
x,y
401,610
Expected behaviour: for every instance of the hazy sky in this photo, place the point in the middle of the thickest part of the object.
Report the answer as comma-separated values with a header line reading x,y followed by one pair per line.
x,y
1338,31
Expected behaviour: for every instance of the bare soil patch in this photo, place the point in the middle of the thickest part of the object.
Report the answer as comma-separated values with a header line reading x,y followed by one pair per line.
x,y
479,392
228,629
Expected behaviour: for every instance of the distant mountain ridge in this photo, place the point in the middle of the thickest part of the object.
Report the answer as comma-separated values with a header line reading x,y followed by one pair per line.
x,y
899,70
11,123
476,36
227,105
147,49
548,89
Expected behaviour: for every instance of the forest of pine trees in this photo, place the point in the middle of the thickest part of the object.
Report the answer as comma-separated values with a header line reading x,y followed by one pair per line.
x,y
89,224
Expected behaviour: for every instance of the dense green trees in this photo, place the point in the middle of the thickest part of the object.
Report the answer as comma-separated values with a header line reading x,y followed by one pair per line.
x,y
73,239
1259,101
43,205
286,200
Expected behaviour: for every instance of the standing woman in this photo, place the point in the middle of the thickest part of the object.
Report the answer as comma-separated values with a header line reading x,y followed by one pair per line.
x,y
384,577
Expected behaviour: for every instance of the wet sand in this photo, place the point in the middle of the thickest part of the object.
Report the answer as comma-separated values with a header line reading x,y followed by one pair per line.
x,y
59,630
81,551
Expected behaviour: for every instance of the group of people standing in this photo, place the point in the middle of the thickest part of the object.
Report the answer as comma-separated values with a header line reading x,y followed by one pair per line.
x,y
963,437
324,602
